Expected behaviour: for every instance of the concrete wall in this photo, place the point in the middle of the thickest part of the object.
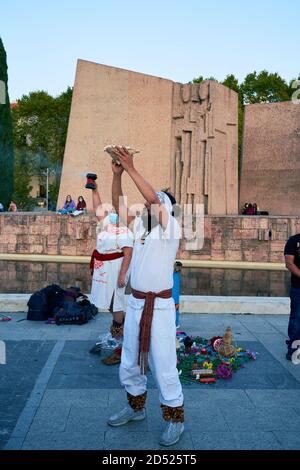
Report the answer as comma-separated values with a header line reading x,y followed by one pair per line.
x,y
187,135
115,106
271,158
232,238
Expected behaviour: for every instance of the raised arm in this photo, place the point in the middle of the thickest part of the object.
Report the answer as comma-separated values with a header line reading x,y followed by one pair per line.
x,y
143,186
97,203
117,195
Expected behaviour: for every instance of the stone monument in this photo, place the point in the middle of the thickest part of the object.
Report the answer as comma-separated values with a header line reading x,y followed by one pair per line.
x,y
186,135
271,158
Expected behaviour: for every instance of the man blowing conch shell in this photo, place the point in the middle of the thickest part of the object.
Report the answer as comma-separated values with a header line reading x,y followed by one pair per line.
x,y
150,330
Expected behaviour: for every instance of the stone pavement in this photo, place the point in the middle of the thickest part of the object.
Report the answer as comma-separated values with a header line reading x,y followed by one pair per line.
x,y
55,395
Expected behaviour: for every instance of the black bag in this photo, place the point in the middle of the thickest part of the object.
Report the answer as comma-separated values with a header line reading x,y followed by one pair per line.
x,y
75,313
42,304
37,307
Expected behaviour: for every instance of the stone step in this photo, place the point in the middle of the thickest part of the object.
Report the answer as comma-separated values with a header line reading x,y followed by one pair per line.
x,y
188,304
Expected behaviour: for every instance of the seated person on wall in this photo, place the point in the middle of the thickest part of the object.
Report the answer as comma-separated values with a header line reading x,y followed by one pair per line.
x,y
80,208
81,204
69,206
244,210
12,207
250,209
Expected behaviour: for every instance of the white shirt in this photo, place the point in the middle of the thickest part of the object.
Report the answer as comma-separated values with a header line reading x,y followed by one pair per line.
x,y
113,239
152,263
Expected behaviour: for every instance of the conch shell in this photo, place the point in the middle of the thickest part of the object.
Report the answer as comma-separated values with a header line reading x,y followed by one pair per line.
x,y
226,349
110,149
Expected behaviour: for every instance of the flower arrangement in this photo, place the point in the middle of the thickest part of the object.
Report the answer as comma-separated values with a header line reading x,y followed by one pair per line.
x,y
202,360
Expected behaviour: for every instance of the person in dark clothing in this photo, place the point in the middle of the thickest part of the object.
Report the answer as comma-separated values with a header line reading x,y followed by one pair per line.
x,y
292,261
81,204
250,210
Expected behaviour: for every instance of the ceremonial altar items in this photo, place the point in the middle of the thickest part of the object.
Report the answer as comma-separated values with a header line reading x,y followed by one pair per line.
x,y
110,150
201,360
226,349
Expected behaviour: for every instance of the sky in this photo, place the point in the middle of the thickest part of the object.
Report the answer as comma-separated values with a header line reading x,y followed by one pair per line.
x,y
175,39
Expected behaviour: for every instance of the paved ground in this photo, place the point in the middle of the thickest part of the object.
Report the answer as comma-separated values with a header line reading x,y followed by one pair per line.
x,y
55,395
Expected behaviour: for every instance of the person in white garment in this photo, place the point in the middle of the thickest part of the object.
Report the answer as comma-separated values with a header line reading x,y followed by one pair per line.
x,y
150,330
110,266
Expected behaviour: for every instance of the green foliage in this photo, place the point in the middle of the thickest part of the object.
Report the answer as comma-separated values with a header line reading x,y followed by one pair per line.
x,y
6,137
22,175
202,79
264,87
40,131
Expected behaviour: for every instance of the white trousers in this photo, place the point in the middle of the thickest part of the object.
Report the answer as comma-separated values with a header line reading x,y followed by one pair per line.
x,y
162,357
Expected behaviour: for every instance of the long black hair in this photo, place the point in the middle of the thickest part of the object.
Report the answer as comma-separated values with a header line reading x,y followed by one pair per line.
x,y
172,199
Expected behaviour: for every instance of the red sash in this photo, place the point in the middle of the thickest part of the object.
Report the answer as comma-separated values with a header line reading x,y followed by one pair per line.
x,y
103,257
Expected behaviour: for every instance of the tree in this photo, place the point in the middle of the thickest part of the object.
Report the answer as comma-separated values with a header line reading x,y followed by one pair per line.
x,y
202,79
232,82
23,175
6,135
40,130
264,87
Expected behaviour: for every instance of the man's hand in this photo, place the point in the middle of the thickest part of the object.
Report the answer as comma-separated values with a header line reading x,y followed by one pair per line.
x,y
125,158
121,280
117,169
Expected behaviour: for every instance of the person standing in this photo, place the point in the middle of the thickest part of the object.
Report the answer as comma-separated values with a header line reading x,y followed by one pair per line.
x,y
292,261
110,263
150,329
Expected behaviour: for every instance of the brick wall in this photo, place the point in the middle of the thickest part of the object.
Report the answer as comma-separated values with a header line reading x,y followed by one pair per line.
x,y
49,234
242,238
232,238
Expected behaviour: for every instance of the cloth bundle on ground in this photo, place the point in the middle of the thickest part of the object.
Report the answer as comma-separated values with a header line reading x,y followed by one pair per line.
x,y
64,306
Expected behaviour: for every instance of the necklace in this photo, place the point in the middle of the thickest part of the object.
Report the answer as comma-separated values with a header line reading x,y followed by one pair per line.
x,y
144,236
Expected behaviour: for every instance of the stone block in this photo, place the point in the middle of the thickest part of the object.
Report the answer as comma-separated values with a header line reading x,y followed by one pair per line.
x,y
67,250
36,249
277,245
52,239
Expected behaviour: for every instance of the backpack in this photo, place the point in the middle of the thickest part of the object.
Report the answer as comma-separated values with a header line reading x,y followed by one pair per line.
x,y
75,313
41,304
